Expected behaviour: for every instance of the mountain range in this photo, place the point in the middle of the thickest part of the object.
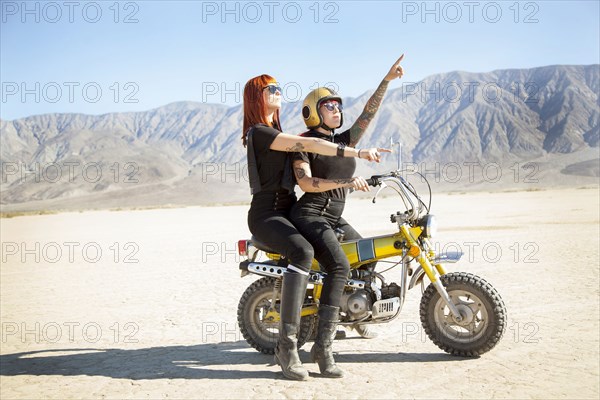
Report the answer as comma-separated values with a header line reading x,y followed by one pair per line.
x,y
190,153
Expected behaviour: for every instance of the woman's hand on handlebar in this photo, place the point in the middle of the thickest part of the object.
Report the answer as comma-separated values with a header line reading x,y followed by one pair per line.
x,y
359,183
372,154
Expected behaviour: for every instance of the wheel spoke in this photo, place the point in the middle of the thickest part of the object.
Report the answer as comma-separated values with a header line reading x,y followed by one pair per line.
x,y
475,308
449,320
471,327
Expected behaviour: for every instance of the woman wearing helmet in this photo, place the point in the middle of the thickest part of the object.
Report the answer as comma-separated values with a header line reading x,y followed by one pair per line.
x,y
272,187
325,180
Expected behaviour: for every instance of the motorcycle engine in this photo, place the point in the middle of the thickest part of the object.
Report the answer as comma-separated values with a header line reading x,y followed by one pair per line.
x,y
356,304
389,291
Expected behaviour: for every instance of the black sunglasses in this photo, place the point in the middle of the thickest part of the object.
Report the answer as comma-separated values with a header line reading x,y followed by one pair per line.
x,y
331,105
273,88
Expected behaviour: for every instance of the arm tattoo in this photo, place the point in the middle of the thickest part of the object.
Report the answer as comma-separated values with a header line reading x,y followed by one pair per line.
x,y
361,124
315,183
298,147
342,181
300,173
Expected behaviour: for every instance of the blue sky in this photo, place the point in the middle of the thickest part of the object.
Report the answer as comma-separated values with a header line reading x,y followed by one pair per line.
x,y
107,56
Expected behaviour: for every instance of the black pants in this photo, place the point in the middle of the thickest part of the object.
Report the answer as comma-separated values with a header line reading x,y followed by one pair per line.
x,y
316,217
268,220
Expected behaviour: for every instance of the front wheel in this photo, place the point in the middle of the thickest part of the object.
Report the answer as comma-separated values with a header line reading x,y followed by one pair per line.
x,y
482,310
256,317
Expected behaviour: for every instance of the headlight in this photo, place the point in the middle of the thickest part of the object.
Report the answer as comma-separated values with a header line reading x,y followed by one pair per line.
x,y
429,225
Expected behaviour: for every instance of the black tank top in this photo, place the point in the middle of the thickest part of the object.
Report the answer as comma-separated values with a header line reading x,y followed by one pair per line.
x,y
329,167
272,167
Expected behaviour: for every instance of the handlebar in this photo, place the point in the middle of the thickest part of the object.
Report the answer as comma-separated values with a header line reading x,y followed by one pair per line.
x,y
410,198
375,180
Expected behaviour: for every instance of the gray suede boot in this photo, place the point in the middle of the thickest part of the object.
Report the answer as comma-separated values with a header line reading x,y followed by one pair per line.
x,y
321,351
293,291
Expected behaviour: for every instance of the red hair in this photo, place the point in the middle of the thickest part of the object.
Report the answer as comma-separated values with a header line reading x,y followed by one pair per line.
x,y
255,109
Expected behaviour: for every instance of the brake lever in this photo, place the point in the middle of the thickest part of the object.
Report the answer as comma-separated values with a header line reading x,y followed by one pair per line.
x,y
382,186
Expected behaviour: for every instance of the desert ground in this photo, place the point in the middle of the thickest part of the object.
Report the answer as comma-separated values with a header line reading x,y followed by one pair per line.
x,y
142,304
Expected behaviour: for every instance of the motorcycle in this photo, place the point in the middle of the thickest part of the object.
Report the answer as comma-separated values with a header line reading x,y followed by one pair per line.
x,y
460,312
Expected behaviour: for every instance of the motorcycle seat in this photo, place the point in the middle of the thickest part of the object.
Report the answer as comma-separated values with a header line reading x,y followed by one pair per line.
x,y
262,246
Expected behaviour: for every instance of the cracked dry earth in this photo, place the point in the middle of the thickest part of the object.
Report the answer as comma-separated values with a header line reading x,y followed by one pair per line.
x,y
149,309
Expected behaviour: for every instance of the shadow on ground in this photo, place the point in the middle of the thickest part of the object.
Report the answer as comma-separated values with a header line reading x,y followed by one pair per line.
x,y
228,360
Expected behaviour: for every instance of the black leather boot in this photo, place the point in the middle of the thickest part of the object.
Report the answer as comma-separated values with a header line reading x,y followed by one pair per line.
x,y
293,292
322,352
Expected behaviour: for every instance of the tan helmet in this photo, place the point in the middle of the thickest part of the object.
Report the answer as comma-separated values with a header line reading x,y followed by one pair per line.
x,y
312,102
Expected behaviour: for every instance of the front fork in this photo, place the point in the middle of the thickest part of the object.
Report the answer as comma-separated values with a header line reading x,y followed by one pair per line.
x,y
432,271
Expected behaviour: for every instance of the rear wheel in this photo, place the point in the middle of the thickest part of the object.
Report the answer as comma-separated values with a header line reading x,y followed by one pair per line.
x,y
257,325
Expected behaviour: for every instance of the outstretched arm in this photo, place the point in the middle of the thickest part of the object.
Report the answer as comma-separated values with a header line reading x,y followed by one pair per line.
x,y
293,143
315,185
365,118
